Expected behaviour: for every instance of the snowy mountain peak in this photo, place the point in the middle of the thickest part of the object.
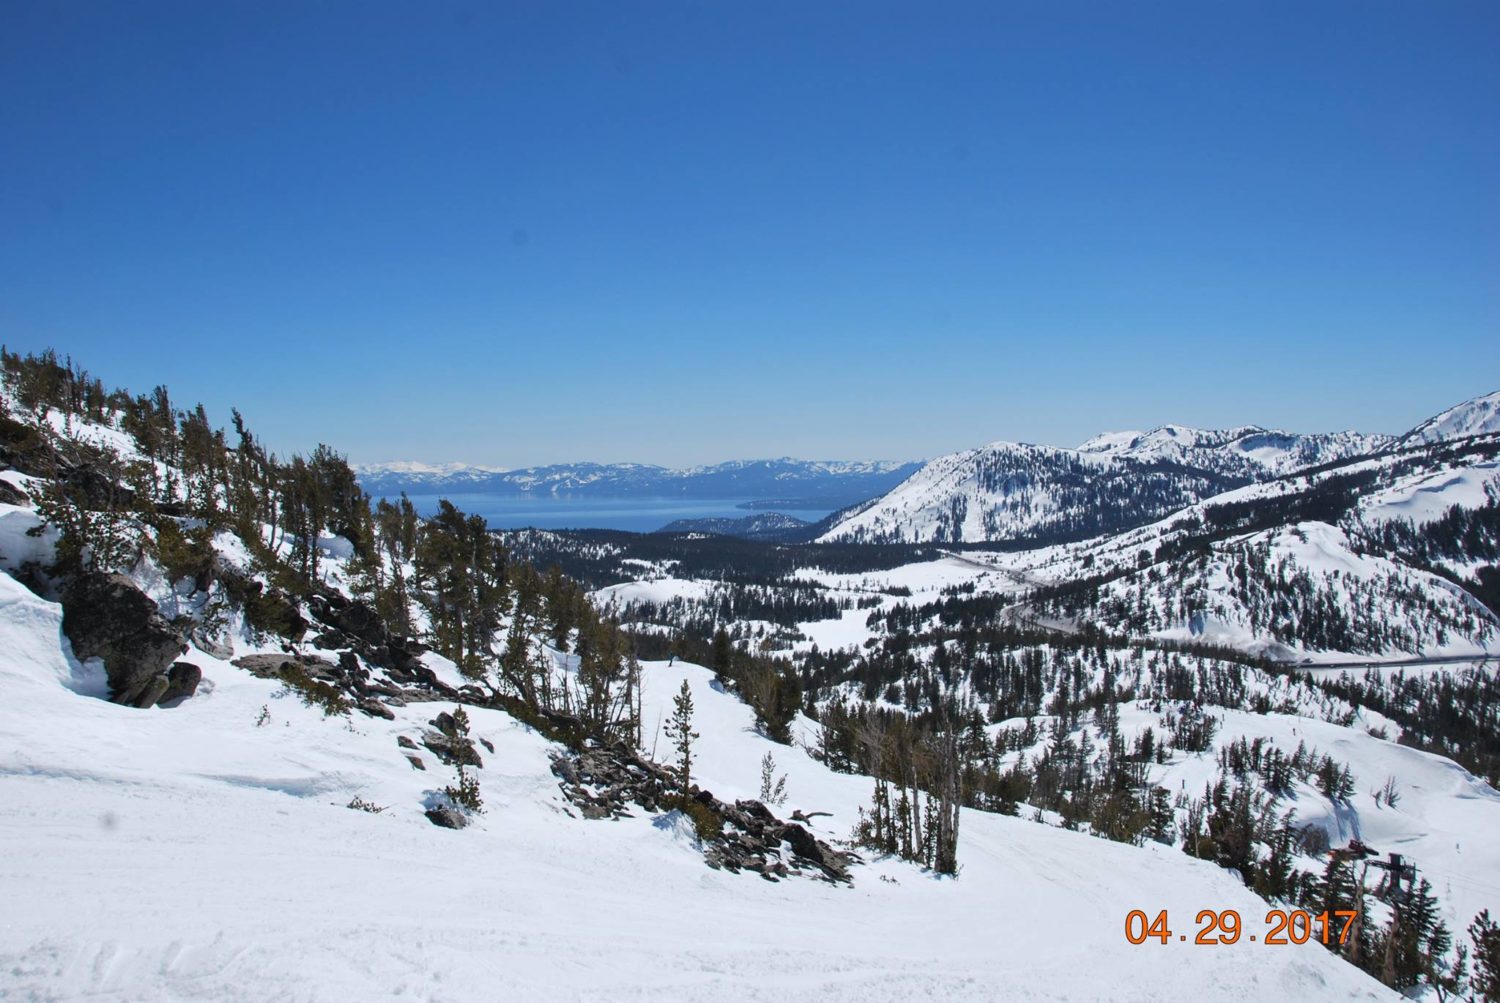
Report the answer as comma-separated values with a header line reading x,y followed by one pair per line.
x,y
1165,440
1016,491
834,483
415,468
1479,416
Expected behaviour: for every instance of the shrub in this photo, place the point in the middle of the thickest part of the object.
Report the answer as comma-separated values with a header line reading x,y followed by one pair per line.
x,y
183,555
707,823
772,787
313,693
273,613
466,794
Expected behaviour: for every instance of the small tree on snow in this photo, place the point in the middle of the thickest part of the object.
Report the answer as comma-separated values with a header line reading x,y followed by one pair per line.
x,y
680,730
466,794
772,787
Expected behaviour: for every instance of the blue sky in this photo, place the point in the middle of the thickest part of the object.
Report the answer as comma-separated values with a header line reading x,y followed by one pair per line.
x,y
682,233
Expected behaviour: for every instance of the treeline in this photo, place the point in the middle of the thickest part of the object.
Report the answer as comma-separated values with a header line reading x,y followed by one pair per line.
x,y
1461,536
1454,714
768,684
1277,597
446,580
785,606
600,558
1082,769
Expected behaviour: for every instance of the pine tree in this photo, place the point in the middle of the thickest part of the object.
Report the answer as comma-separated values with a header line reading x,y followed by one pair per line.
x,y
680,730
722,655
1486,937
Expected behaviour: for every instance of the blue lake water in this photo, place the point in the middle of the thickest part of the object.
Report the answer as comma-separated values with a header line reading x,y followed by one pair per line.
x,y
639,515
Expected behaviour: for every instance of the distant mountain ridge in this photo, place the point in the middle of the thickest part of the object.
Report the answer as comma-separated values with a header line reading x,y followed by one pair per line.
x,y
831,483
1478,416
1249,450
1019,493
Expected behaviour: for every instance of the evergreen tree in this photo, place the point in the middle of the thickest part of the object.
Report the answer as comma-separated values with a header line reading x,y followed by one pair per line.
x,y
723,656
680,731
1486,937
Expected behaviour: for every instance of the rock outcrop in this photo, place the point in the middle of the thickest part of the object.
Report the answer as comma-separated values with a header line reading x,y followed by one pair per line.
x,y
451,746
182,682
267,610
353,626
105,616
447,818
604,781
271,666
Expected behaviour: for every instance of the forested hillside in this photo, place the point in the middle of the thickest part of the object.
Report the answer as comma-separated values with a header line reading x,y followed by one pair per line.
x,y
234,635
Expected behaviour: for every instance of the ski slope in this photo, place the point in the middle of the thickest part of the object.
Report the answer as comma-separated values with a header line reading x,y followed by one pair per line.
x,y
189,853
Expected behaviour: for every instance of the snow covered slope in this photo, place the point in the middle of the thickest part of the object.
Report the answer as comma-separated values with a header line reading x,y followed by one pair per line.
x,y
1246,451
417,474
1010,492
1299,592
1331,564
1473,417
1017,491
191,854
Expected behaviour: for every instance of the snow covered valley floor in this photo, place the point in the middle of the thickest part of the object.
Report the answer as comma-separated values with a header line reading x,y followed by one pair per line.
x,y
191,853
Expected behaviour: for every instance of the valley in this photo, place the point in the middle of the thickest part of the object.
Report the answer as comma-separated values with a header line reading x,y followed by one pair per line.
x,y
1247,702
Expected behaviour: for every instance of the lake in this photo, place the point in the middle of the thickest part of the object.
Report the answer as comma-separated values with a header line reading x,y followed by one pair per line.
x,y
638,515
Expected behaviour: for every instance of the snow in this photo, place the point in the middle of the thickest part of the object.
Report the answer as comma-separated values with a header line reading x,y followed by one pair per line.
x,y
100,436
1479,416
948,500
920,577
191,854
922,507
1274,451
1441,820
194,853
337,547
1343,576
414,467
1429,496
848,631
655,590
17,545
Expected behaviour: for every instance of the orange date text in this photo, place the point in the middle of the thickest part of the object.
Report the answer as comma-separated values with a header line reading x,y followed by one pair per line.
x,y
1221,927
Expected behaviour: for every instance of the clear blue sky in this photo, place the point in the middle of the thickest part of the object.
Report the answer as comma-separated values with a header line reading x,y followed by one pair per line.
x,y
674,233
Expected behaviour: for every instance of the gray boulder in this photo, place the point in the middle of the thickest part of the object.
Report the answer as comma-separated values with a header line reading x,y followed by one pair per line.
x,y
105,616
374,708
363,622
270,666
211,643
448,818
182,682
453,750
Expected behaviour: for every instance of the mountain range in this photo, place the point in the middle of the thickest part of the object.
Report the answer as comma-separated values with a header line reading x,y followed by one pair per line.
x,y
783,482
1005,493
1023,494
220,664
